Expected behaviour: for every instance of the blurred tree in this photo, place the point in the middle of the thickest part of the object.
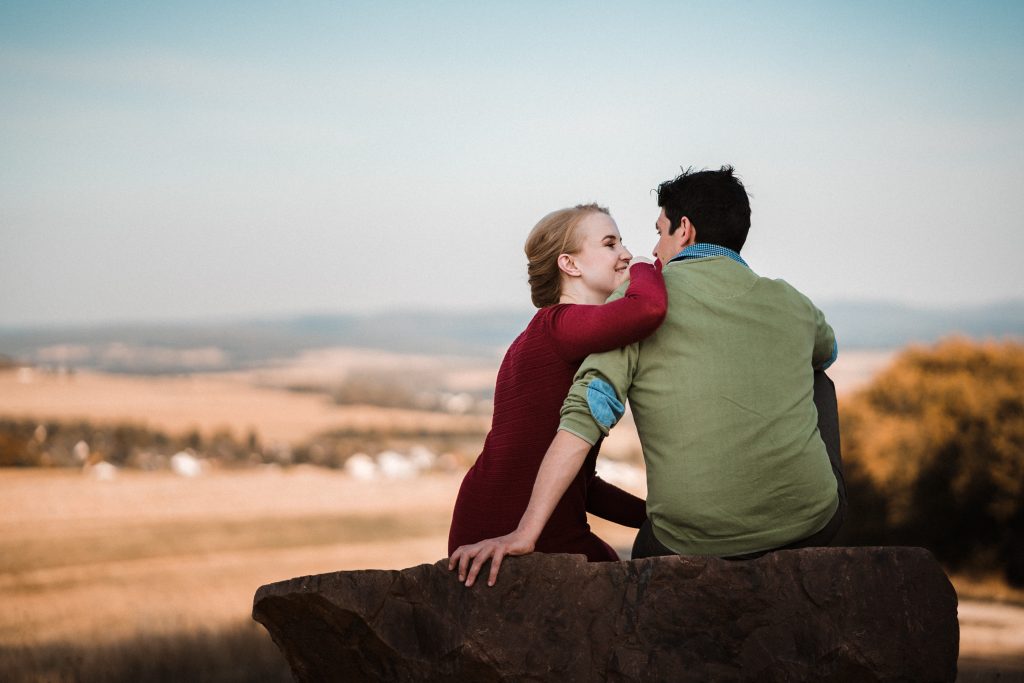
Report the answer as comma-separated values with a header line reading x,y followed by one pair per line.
x,y
934,454
16,448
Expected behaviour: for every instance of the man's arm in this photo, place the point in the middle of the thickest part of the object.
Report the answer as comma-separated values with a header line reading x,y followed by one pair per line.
x,y
561,463
826,349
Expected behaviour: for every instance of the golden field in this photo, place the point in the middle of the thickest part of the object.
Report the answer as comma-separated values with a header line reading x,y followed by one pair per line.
x,y
98,563
255,401
88,564
207,403
103,560
116,565
152,565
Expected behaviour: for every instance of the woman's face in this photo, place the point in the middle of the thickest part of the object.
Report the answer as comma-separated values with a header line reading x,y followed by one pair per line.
x,y
602,259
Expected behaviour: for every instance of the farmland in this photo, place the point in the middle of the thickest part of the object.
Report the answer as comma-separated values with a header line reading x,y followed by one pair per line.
x,y
144,567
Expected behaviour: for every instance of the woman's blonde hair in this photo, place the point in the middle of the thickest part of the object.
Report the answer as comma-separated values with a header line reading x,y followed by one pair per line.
x,y
554,235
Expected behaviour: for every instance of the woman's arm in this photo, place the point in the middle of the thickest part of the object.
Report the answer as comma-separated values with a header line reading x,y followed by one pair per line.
x,y
608,501
580,330
562,461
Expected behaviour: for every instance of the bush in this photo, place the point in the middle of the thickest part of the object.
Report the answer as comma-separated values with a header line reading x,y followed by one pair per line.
x,y
51,443
934,456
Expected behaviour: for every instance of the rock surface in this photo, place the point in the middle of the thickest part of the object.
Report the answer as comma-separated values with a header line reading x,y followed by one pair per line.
x,y
855,614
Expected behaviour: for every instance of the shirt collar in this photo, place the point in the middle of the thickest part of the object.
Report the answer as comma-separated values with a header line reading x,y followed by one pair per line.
x,y
704,250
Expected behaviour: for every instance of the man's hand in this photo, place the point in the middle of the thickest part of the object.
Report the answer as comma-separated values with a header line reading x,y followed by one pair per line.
x,y
495,549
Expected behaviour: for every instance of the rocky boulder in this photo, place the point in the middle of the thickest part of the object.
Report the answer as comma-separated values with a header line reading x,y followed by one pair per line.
x,y
839,614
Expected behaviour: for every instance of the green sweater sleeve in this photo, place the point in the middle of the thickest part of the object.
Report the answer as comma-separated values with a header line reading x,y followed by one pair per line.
x,y
825,348
600,386
598,395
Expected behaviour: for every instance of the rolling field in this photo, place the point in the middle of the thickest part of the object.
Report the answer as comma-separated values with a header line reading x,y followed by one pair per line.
x,y
255,402
125,563
159,553
150,566
160,567
207,403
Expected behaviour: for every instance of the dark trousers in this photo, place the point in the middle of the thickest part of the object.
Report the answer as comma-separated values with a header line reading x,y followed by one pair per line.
x,y
647,545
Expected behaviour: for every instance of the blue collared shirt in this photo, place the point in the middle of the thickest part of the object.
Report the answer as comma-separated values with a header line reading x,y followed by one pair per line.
x,y
704,250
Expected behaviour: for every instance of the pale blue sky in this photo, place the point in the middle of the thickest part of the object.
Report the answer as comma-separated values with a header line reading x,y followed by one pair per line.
x,y
179,160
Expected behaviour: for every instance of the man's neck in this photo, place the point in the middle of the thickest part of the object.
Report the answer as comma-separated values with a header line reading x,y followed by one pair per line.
x,y
701,250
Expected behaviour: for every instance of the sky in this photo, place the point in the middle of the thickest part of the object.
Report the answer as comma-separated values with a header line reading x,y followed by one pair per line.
x,y
187,160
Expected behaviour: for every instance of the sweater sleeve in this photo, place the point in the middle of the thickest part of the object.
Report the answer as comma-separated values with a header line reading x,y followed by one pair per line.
x,y
579,330
598,393
608,501
826,349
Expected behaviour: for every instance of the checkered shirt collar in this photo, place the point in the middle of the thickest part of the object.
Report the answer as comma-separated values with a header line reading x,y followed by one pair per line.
x,y
704,250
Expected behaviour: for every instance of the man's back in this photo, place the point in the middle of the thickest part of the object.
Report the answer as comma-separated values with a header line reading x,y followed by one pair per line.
x,y
724,395
722,398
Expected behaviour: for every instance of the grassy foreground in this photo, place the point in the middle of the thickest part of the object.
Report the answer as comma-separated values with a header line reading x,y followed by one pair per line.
x,y
150,577
243,652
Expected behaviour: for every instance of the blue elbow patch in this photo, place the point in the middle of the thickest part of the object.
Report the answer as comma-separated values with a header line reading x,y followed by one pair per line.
x,y
835,354
605,406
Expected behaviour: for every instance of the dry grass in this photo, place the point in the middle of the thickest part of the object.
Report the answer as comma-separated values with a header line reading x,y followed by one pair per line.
x,y
135,578
151,576
242,652
156,553
987,588
209,403
150,566
255,401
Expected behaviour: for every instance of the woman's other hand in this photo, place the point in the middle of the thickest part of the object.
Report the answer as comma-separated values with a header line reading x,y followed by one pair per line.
x,y
473,557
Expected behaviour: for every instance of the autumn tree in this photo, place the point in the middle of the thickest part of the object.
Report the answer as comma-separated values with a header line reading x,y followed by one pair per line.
x,y
934,454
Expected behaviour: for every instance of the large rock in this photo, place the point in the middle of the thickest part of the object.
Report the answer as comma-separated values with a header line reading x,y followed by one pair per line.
x,y
856,614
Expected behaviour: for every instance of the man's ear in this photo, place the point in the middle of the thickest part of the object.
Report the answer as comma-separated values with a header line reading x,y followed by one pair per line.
x,y
687,233
567,265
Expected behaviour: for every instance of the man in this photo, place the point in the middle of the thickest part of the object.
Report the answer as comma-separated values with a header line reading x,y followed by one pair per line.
x,y
732,408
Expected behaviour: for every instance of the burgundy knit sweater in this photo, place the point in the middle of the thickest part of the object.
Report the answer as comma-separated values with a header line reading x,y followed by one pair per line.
x,y
533,380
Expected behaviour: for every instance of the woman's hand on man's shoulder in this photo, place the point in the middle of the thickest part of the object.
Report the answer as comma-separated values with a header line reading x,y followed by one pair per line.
x,y
642,263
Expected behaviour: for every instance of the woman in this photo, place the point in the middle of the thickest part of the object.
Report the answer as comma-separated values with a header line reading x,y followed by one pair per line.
x,y
576,260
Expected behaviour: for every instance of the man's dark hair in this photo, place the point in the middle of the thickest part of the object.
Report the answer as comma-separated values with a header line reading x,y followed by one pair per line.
x,y
714,201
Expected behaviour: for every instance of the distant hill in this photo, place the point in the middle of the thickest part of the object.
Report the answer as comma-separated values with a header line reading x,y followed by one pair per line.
x,y
881,325
206,346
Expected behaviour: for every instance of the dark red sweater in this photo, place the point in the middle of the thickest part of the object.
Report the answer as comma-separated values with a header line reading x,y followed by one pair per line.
x,y
533,380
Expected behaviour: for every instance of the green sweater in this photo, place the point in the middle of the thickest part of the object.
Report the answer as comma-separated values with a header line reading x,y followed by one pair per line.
x,y
722,396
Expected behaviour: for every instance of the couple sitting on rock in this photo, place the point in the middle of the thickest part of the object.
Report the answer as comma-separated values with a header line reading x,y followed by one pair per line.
x,y
723,370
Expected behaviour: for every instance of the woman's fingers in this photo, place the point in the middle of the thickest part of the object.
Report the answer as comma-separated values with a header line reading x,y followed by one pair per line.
x,y
467,555
459,559
454,559
479,560
495,565
470,559
474,568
